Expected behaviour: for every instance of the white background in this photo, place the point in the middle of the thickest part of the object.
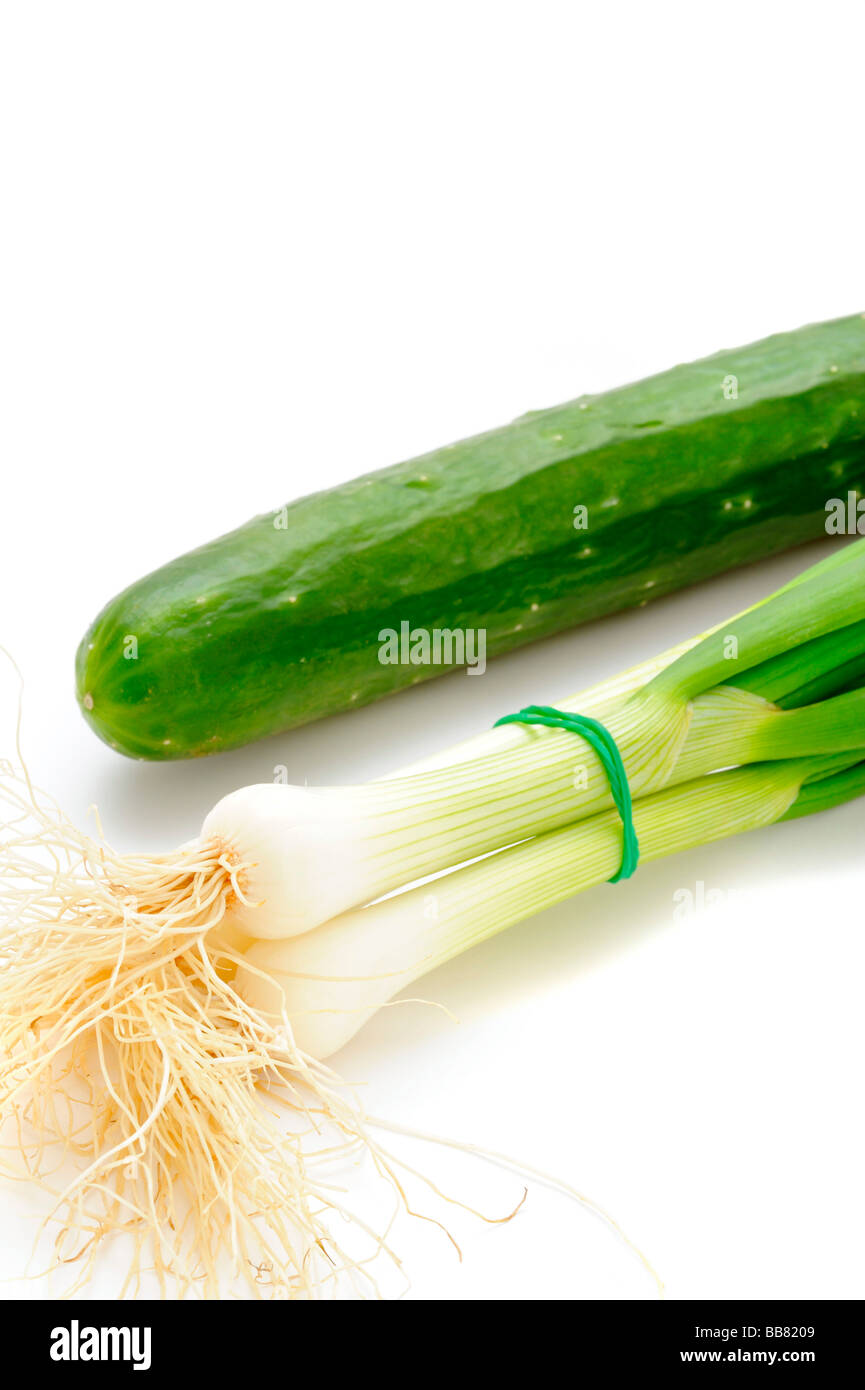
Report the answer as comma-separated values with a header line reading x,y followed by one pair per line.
x,y
250,250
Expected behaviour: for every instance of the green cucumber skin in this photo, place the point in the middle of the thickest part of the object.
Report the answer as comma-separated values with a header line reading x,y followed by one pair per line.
x,y
268,628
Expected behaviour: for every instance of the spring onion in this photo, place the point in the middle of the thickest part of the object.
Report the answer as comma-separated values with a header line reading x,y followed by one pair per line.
x,y
146,1000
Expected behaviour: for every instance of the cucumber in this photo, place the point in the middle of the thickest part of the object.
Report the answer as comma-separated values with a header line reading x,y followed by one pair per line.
x,y
683,475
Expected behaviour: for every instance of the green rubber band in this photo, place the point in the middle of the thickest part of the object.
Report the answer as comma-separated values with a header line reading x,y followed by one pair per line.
x,y
607,750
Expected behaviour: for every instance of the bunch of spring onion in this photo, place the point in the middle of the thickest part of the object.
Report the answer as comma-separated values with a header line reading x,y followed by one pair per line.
x,y
165,1020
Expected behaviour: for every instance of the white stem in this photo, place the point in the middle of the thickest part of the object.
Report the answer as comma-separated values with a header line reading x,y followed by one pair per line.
x,y
317,852
328,982
593,701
